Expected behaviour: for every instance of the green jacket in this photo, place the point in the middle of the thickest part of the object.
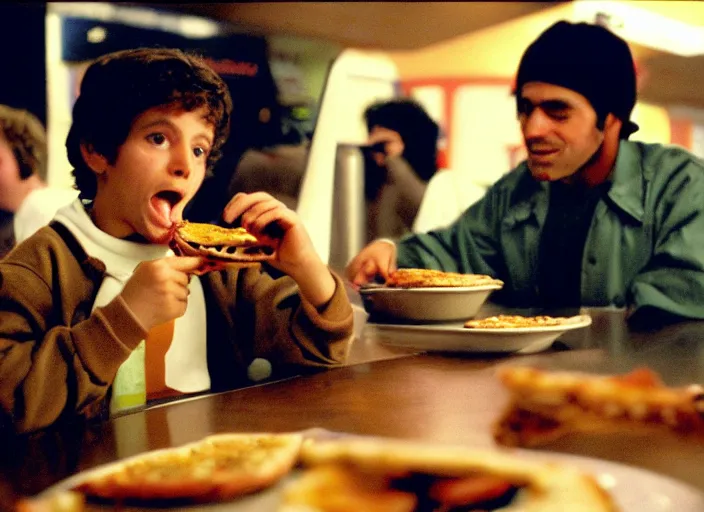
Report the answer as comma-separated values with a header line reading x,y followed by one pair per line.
x,y
645,246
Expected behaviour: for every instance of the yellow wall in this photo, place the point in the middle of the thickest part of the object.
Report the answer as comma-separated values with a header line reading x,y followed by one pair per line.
x,y
654,122
492,52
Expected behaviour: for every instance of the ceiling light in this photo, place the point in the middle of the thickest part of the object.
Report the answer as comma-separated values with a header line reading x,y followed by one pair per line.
x,y
96,34
189,26
192,26
641,26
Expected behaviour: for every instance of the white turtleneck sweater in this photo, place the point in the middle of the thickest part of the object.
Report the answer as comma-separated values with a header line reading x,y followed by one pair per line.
x,y
186,360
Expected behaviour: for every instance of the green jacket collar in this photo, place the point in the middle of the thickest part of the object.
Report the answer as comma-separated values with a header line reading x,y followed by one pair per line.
x,y
530,198
627,187
625,193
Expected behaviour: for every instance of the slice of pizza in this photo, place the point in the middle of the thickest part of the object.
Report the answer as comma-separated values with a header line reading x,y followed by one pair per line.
x,y
220,467
516,322
220,245
544,406
427,278
347,475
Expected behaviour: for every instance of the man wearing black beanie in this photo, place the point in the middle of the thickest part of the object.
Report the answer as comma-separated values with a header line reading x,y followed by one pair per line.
x,y
590,218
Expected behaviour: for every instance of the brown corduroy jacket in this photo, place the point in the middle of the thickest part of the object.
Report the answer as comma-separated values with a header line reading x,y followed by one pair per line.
x,y
58,360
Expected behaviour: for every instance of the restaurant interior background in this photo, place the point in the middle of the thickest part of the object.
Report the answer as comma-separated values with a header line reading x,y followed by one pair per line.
x,y
302,73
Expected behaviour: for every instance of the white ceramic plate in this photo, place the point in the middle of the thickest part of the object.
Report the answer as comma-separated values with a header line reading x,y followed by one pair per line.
x,y
456,338
633,489
426,304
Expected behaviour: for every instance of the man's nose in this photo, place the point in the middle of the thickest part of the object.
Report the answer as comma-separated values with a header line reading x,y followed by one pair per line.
x,y
536,125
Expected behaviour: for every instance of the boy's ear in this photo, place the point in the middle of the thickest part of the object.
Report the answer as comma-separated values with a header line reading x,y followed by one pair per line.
x,y
97,162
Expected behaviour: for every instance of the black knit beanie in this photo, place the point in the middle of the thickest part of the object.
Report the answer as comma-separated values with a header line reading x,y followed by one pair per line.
x,y
588,59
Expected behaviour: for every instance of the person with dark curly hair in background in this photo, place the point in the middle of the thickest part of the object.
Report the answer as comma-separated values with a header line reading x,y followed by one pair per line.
x,y
400,157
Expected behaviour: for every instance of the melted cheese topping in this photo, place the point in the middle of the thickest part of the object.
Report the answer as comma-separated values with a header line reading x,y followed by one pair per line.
x,y
210,234
425,278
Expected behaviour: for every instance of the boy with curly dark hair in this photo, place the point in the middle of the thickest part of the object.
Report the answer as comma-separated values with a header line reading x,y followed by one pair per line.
x,y
97,314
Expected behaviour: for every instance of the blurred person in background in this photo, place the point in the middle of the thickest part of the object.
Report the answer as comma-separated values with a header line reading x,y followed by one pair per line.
x,y
590,218
26,203
400,157
277,170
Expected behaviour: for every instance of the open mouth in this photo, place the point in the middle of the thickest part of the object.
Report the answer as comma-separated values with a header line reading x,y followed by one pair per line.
x,y
540,150
164,202
172,197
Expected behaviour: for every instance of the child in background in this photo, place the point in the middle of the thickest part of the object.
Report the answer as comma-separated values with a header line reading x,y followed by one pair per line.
x,y
26,202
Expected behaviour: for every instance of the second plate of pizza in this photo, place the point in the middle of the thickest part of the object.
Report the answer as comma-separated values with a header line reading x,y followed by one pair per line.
x,y
429,295
501,334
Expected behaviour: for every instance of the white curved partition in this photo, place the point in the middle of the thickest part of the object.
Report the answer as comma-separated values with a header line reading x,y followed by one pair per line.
x,y
356,80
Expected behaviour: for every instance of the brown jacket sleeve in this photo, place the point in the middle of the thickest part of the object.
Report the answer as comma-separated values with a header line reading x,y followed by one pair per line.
x,y
285,329
51,361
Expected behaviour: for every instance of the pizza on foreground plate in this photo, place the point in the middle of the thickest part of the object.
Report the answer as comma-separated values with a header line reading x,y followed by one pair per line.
x,y
399,476
339,474
516,322
545,406
219,467
220,246
426,278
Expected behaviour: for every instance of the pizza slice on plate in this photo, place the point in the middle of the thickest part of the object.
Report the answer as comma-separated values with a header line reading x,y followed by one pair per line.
x,y
347,475
517,322
544,406
219,467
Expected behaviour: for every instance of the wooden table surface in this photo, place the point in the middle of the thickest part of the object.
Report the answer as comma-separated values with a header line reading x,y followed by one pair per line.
x,y
385,392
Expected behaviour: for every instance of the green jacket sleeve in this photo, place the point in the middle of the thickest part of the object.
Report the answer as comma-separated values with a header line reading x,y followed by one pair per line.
x,y
469,245
673,279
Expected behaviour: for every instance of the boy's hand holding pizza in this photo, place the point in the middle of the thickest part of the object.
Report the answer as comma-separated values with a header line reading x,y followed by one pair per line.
x,y
272,222
157,292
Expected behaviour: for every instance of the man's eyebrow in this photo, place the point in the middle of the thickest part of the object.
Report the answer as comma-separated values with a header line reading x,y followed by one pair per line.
x,y
552,104
555,105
